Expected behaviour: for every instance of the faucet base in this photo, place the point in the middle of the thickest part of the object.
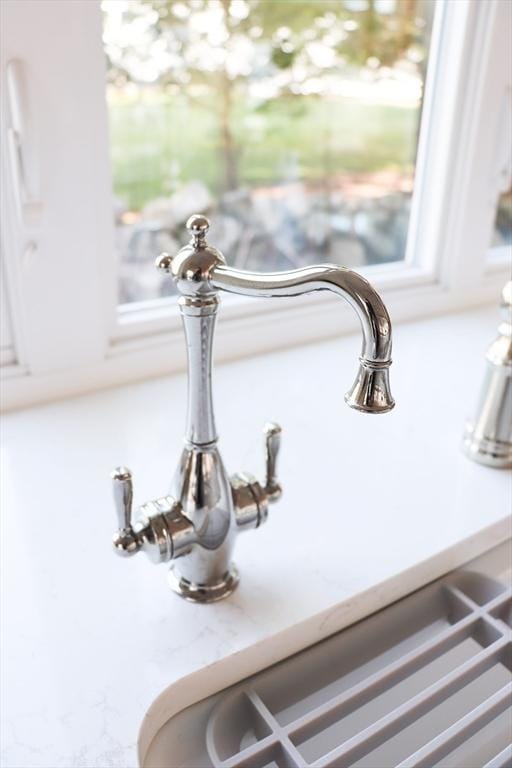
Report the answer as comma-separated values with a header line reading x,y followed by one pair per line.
x,y
204,593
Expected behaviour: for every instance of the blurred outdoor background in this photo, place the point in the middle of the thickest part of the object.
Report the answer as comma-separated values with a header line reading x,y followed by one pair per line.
x,y
292,124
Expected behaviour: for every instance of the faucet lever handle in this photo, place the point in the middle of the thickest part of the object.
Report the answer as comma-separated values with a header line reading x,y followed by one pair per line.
x,y
126,541
272,434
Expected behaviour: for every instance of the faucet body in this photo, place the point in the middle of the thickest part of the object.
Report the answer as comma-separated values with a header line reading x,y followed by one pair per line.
x,y
196,525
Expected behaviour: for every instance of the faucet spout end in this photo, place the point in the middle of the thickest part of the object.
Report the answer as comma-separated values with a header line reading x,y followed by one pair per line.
x,y
370,392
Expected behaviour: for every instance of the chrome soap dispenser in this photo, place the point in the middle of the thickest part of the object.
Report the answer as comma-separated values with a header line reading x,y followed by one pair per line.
x,y
488,438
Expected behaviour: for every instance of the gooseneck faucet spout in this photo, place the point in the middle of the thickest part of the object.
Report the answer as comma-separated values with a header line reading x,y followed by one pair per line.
x,y
370,392
195,526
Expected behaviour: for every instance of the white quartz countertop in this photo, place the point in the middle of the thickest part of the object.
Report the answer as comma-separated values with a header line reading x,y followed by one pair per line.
x,y
373,507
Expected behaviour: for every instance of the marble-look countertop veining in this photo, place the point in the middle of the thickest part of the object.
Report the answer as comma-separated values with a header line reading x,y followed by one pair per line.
x,y
372,507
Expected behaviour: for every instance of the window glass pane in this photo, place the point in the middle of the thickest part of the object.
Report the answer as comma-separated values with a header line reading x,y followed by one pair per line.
x,y
292,124
503,226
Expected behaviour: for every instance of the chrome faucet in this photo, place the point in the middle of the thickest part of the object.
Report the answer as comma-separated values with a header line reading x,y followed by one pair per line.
x,y
195,526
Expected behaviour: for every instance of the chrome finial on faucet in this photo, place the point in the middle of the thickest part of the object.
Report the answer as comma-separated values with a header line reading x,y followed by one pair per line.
x,y
196,525
488,437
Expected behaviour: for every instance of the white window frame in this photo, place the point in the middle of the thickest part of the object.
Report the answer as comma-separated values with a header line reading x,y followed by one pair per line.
x,y
57,236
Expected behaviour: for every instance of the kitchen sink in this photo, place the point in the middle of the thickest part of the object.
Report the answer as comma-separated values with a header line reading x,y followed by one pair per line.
x,y
427,681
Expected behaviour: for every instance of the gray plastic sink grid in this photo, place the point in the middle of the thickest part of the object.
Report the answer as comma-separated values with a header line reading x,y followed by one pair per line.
x,y
425,682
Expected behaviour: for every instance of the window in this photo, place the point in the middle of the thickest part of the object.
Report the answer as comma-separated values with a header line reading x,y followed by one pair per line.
x,y
502,173
503,225
66,153
292,125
